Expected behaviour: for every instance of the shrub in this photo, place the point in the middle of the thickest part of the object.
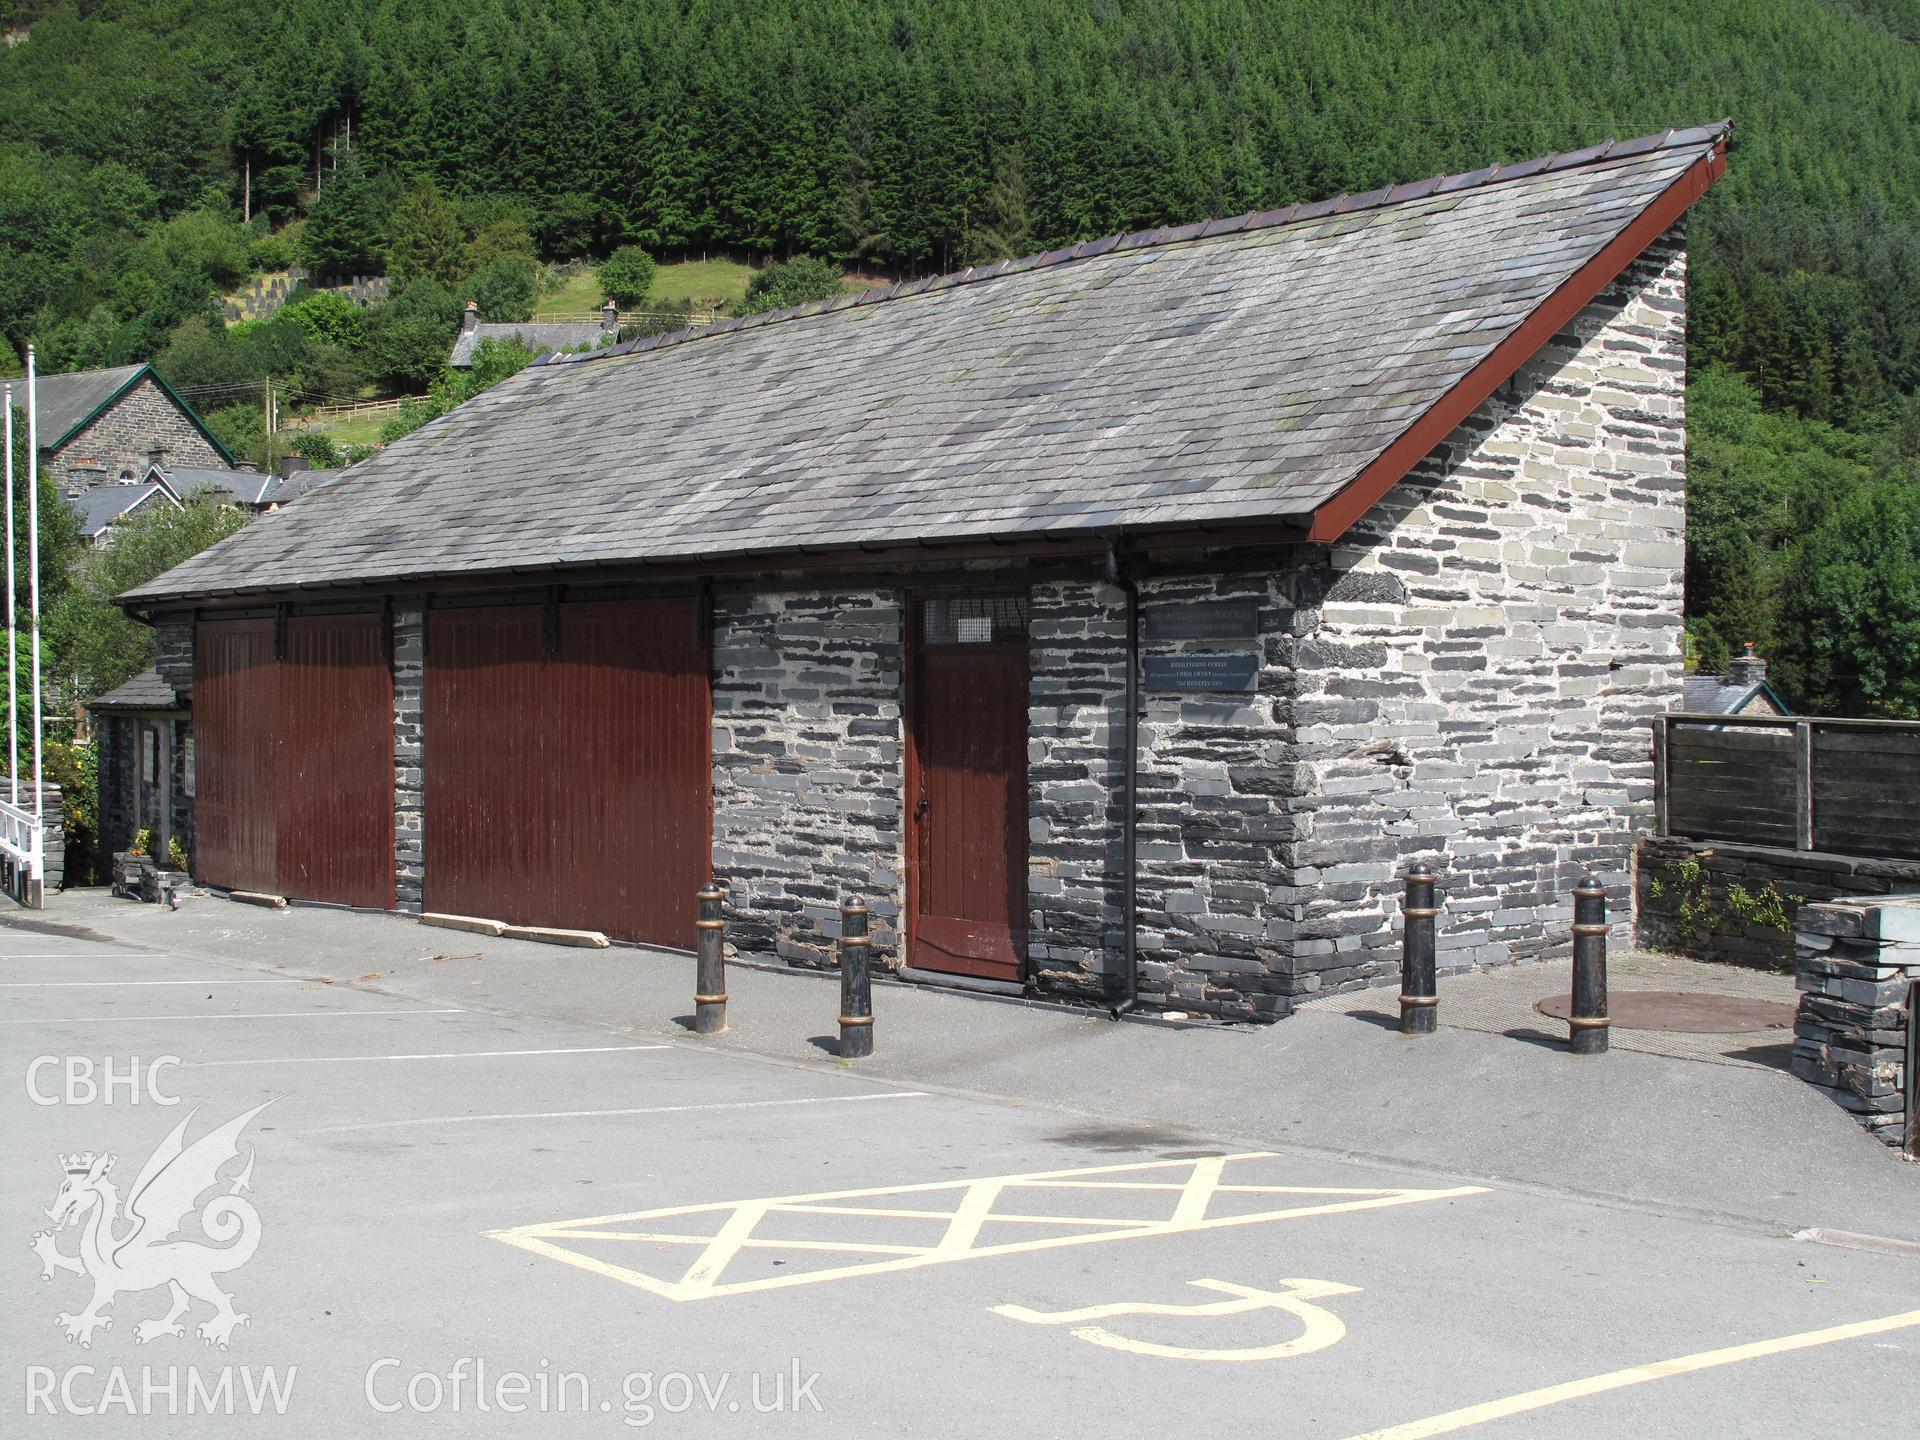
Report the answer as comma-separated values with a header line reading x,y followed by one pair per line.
x,y
272,252
798,281
626,276
319,449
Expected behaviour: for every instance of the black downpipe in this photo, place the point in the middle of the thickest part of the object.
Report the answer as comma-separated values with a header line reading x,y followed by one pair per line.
x,y
1116,575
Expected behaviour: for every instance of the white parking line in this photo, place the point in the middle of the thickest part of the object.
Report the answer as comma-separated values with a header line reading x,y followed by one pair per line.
x,y
644,1110
87,955
75,984
444,1055
272,1015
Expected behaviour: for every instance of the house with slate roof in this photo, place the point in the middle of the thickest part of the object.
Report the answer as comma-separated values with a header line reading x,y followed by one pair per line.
x,y
554,335
1120,622
101,506
102,427
1743,690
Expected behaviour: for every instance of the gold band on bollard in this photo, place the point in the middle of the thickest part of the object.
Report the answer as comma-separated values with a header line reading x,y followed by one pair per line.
x,y
710,999
1419,1002
1588,1022
856,1019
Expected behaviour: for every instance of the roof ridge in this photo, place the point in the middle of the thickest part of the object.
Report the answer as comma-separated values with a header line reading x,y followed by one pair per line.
x,y
1178,234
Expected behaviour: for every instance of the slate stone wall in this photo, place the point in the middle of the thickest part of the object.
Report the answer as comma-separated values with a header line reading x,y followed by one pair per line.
x,y
1467,678
1480,658
1685,901
409,788
1858,961
115,737
1075,788
123,439
807,762
173,655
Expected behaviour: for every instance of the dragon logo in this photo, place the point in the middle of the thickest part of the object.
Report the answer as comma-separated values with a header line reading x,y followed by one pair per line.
x,y
135,1250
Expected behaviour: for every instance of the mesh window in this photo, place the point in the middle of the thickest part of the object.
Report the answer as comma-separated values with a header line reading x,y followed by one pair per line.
x,y
973,619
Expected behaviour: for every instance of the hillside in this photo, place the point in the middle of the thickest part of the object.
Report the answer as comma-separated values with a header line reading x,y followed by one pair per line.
x,y
922,136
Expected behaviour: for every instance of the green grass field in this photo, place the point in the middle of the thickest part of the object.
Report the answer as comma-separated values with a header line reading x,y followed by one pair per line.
x,y
578,295
703,280
696,280
348,432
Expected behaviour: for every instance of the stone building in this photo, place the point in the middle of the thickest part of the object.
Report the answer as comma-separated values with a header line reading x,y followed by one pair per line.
x,y
1336,537
105,427
1743,690
555,335
145,749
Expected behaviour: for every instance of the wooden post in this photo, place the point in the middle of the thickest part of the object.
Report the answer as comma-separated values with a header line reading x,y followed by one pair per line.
x,y
1660,725
1803,784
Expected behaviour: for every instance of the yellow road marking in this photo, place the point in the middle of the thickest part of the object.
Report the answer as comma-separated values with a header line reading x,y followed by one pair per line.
x,y
1198,1192
967,1218
1636,1375
1320,1328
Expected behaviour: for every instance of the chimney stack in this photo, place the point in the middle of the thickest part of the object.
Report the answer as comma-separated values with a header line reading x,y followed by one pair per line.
x,y
1747,669
610,318
471,319
293,464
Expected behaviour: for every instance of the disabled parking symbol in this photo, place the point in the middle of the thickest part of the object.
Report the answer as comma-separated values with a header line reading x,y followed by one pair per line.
x,y
1319,1327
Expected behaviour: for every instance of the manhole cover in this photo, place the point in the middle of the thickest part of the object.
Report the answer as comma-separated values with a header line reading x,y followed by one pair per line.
x,y
1682,1012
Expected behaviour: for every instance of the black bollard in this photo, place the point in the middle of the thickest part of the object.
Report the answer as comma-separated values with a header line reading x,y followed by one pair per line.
x,y
1587,1021
856,984
1419,993
710,965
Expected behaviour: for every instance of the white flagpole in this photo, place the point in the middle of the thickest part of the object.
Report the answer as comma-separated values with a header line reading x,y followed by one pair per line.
x,y
13,663
33,589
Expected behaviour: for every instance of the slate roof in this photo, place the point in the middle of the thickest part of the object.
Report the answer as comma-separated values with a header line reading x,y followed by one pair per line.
x,y
535,335
68,401
185,482
146,691
1719,695
101,505
285,489
1237,370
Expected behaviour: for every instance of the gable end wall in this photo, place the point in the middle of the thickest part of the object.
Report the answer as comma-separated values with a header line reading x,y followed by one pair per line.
x,y
1494,639
124,439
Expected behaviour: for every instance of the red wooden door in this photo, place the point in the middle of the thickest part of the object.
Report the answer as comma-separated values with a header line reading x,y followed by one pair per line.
x,y
570,786
968,787
294,759
335,764
235,731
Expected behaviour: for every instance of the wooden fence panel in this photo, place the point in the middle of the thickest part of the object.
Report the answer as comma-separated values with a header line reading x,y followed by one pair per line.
x,y
1866,786
1839,786
1728,783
